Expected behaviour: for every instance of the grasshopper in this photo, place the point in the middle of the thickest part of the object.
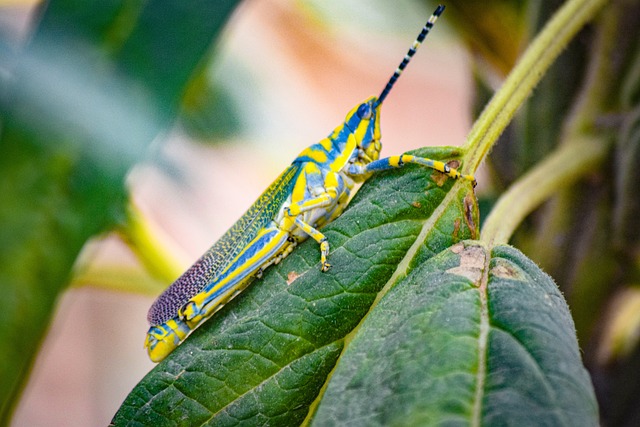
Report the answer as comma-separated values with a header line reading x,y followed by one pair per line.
x,y
313,191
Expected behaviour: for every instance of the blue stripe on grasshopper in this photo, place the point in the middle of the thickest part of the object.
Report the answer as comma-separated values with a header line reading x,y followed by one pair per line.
x,y
312,192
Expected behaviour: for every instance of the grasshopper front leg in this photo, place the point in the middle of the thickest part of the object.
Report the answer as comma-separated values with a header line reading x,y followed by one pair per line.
x,y
394,162
318,237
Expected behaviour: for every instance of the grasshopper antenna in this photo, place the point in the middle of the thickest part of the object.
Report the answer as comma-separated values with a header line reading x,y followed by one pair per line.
x,y
414,47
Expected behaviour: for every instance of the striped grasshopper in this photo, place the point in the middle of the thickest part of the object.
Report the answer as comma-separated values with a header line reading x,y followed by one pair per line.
x,y
313,191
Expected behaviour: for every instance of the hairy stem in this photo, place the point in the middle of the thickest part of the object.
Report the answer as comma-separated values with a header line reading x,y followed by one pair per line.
x,y
542,52
143,241
561,168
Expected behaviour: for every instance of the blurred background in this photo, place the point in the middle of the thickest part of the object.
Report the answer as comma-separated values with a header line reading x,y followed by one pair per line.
x,y
280,77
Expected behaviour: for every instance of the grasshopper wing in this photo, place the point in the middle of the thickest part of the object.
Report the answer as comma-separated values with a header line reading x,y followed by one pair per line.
x,y
206,269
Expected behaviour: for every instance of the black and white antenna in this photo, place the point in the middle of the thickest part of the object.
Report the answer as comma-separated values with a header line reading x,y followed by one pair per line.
x,y
416,44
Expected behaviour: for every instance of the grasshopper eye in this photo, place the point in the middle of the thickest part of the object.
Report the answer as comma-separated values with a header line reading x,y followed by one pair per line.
x,y
365,111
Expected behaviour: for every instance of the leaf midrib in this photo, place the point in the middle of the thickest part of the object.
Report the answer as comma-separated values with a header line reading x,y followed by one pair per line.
x,y
398,274
483,338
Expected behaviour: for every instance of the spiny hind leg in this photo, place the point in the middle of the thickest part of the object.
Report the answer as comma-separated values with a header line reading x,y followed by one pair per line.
x,y
394,162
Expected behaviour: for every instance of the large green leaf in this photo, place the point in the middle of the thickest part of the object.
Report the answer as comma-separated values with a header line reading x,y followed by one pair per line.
x,y
265,356
471,337
97,83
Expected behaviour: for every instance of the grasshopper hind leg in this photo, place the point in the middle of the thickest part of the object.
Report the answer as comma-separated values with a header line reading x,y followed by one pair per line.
x,y
269,247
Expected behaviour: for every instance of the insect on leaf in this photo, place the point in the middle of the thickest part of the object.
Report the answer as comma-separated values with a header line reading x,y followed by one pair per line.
x,y
265,356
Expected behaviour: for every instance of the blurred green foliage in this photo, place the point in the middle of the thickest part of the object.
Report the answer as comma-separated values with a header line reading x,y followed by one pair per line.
x,y
97,82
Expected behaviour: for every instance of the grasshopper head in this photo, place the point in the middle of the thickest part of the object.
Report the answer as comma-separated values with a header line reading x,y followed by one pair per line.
x,y
364,120
364,123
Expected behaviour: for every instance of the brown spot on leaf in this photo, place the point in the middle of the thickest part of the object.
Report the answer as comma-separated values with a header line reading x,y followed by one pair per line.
x,y
291,277
416,204
472,261
439,178
470,210
456,230
454,164
504,269
457,248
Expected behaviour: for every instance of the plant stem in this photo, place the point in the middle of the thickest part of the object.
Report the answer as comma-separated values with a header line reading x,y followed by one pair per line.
x,y
138,234
118,278
598,83
597,98
562,167
554,37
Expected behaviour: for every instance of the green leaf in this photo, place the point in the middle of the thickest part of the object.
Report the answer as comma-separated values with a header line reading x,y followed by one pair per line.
x,y
470,337
80,104
264,357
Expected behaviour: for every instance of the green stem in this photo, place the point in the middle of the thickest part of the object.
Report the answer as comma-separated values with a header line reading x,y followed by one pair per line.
x,y
118,278
143,240
595,99
598,83
561,168
555,36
